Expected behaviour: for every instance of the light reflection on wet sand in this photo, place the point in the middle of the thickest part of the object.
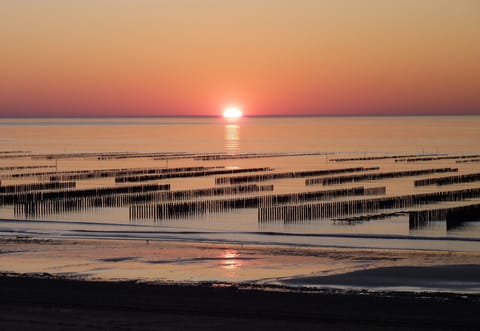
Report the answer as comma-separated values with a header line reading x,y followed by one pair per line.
x,y
184,262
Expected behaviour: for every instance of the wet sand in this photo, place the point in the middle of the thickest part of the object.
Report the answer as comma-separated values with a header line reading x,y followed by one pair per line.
x,y
439,278
180,262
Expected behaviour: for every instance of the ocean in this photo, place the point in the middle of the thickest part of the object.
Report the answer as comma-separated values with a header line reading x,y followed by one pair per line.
x,y
295,149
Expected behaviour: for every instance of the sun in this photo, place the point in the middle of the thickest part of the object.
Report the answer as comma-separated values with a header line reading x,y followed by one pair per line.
x,y
232,112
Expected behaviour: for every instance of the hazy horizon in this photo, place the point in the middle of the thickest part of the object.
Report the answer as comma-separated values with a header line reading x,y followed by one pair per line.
x,y
246,116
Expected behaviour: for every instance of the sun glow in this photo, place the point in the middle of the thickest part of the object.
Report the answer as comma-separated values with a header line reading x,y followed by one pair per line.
x,y
232,112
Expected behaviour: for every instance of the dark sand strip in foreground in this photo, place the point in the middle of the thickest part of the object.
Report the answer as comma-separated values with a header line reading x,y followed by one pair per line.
x,y
51,303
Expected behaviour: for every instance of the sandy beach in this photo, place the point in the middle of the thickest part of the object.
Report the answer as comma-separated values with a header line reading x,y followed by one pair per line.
x,y
116,284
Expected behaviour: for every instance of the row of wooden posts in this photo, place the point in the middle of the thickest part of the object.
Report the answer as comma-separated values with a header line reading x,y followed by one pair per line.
x,y
22,188
27,197
283,175
50,203
366,217
14,156
374,158
468,161
55,156
289,213
438,158
127,172
88,155
213,156
226,156
99,156
154,155
189,174
99,173
13,152
375,176
144,155
206,156
169,210
467,178
26,167
452,215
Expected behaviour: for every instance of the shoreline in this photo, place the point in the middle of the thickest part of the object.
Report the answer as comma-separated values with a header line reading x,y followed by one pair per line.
x,y
78,230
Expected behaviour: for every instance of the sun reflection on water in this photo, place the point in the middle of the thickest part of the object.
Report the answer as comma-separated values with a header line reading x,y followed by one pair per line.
x,y
232,138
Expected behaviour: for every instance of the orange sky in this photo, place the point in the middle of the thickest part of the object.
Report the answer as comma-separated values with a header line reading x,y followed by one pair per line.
x,y
272,57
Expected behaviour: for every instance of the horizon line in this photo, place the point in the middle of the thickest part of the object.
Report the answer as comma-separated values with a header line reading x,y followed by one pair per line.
x,y
245,116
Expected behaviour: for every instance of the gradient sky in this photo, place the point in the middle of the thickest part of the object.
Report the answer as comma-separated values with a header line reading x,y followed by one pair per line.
x,y
193,57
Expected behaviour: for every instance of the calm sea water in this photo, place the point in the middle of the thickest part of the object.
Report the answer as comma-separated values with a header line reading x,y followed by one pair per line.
x,y
447,134
330,137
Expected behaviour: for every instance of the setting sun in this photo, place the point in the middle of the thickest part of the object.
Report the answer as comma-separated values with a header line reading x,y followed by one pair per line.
x,y
232,112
